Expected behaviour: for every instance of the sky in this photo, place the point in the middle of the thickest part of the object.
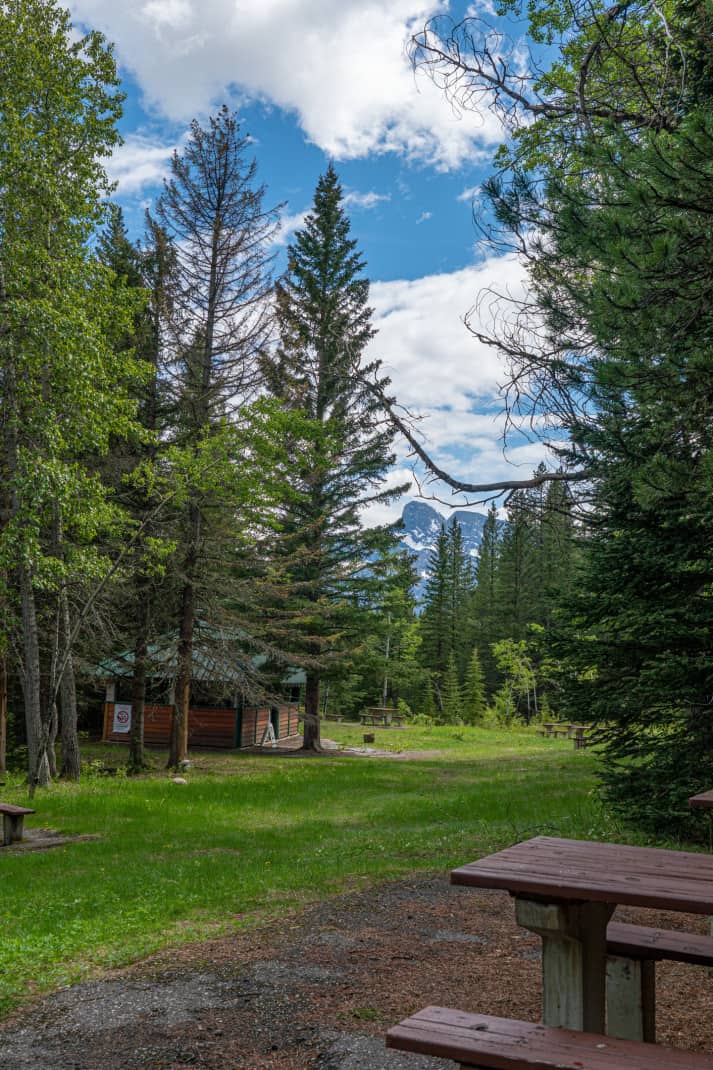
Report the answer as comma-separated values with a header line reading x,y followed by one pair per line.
x,y
321,80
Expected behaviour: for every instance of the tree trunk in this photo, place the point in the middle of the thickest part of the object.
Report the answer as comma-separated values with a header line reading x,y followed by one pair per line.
x,y
179,728
3,713
71,763
137,757
311,722
51,740
38,766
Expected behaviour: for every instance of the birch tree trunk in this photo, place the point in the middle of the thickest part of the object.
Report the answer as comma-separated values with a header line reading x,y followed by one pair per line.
x,y
38,766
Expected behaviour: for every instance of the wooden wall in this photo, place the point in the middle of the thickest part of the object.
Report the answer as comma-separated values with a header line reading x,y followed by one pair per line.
x,y
216,728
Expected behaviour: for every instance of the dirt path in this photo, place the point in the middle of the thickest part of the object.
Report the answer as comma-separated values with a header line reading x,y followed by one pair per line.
x,y
318,990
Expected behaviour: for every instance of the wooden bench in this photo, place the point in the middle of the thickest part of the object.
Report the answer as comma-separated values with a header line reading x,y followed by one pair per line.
x,y
632,954
489,1043
13,818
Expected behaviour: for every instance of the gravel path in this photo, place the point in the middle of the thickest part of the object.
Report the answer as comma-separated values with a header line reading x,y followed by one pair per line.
x,y
318,990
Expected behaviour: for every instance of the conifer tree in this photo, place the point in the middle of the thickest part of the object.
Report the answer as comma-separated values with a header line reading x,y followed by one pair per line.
x,y
474,691
212,211
485,599
452,699
344,449
133,469
435,620
518,582
447,620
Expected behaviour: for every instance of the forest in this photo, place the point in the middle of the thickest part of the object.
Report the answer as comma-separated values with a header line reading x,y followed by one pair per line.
x,y
189,440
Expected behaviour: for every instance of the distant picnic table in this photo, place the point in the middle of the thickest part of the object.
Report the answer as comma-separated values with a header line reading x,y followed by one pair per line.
x,y
382,715
565,730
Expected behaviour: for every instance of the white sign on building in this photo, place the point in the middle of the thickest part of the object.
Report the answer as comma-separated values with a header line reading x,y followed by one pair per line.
x,y
122,717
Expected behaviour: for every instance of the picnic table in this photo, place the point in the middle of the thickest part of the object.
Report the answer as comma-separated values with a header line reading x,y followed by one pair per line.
x,y
565,730
566,891
381,715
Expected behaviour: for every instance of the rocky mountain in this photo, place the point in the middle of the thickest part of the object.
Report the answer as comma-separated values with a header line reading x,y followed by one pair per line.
x,y
421,525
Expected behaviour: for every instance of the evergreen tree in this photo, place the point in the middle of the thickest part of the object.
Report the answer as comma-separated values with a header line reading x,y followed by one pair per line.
x,y
135,469
474,691
518,580
446,623
343,451
212,211
451,696
436,634
485,612
608,194
427,706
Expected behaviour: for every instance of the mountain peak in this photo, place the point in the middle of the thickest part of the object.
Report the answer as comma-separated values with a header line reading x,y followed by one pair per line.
x,y
421,526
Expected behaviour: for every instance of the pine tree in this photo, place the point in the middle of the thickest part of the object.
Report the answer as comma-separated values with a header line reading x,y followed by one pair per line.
x,y
451,698
461,586
518,580
344,450
428,703
134,470
474,691
212,211
447,622
436,632
484,611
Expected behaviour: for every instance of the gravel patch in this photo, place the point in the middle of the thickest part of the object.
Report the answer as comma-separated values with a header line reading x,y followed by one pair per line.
x,y
367,1053
317,990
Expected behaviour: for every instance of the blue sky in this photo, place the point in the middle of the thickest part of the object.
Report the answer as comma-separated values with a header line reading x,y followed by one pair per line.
x,y
315,80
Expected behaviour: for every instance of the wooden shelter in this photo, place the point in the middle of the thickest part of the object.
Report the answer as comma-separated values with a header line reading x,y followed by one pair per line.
x,y
221,669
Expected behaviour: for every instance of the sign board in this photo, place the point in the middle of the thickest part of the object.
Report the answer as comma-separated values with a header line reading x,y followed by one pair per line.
x,y
122,717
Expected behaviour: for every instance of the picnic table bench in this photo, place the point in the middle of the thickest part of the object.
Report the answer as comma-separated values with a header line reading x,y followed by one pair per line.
x,y
374,715
13,818
484,1041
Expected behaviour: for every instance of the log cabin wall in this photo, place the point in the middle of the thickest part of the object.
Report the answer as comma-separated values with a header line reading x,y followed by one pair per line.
x,y
217,728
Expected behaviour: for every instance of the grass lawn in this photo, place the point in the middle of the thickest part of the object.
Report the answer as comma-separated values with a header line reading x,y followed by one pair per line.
x,y
252,835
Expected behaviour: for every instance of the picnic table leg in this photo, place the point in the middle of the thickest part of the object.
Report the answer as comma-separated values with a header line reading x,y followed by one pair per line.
x,y
631,998
574,960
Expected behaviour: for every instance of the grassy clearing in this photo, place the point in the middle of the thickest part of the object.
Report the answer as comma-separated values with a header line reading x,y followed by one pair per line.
x,y
253,835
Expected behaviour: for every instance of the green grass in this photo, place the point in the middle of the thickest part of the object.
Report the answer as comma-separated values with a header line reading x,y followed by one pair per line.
x,y
250,836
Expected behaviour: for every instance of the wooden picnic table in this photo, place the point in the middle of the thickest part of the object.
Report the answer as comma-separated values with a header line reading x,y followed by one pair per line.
x,y
566,891
381,715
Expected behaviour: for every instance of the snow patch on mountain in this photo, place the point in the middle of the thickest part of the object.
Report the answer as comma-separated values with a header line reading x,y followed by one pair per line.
x,y
421,525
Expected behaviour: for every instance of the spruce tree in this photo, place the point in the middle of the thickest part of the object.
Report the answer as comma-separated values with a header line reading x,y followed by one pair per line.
x,y
447,620
474,691
451,696
485,599
212,211
436,632
343,451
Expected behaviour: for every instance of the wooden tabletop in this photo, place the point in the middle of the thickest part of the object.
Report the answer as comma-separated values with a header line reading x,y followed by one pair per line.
x,y
556,869
704,799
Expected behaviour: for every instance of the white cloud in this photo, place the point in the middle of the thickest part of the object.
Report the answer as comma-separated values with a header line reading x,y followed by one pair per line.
x,y
354,199
288,224
141,161
341,67
424,217
440,371
469,194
